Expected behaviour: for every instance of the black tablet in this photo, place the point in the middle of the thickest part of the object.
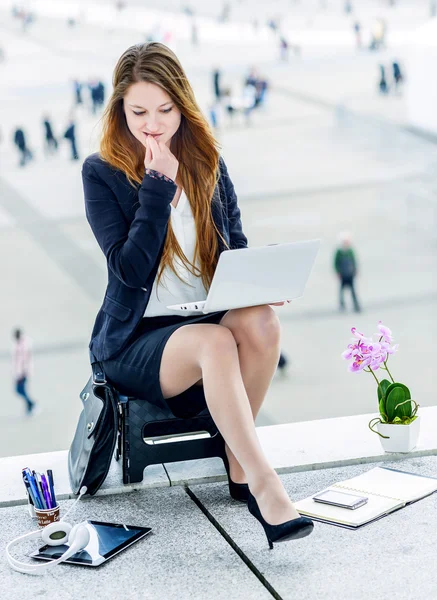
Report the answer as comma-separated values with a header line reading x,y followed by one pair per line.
x,y
106,540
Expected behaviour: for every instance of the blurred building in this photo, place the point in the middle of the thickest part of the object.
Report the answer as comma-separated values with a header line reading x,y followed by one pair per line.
x,y
421,89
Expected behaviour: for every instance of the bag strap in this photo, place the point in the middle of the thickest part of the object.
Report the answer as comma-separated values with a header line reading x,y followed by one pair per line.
x,y
99,377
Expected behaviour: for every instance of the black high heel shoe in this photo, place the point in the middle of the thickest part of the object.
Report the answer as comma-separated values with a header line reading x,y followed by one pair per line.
x,y
290,530
238,491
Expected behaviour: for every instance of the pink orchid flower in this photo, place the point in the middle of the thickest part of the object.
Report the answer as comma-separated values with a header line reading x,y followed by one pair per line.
x,y
358,334
385,332
365,352
359,364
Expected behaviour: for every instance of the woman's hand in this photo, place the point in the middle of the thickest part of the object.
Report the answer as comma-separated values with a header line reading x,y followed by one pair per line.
x,y
159,158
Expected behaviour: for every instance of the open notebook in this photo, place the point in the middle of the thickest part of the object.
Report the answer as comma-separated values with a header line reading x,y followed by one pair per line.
x,y
387,490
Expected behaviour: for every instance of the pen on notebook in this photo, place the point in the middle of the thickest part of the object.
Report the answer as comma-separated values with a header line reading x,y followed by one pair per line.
x,y
45,490
51,486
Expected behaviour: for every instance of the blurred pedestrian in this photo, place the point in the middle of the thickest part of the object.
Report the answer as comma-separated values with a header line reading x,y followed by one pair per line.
x,y
22,367
194,34
27,19
357,30
93,86
283,48
225,13
348,7
70,135
397,75
252,77
345,265
242,104
378,32
248,101
216,75
97,92
100,94
77,92
20,141
213,110
259,84
273,24
51,143
383,86
261,91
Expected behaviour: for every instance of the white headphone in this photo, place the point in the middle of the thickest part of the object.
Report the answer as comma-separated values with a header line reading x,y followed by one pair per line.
x,y
55,534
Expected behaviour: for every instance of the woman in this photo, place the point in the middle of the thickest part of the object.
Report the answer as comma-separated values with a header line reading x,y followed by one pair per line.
x,y
162,207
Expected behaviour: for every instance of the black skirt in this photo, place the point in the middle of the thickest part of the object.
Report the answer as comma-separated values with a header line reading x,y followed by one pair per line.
x,y
135,370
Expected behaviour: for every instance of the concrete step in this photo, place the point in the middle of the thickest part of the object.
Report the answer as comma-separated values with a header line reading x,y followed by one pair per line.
x,y
290,448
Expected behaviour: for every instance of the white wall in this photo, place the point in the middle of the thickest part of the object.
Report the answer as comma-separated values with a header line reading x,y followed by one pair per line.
x,y
421,78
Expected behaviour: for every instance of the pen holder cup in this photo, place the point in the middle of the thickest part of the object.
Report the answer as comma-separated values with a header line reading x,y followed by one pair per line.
x,y
45,516
30,507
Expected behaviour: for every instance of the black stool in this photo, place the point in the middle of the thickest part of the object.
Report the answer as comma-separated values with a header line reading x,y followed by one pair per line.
x,y
145,432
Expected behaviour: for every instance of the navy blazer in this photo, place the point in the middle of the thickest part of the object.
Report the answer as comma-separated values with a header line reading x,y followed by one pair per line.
x,y
130,225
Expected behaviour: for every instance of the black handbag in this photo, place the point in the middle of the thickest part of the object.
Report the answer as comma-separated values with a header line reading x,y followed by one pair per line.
x,y
91,450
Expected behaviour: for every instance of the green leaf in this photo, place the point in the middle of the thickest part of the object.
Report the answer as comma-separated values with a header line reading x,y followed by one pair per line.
x,y
382,389
405,408
382,409
396,385
395,396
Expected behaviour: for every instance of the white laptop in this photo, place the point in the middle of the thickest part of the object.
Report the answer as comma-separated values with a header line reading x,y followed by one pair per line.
x,y
255,276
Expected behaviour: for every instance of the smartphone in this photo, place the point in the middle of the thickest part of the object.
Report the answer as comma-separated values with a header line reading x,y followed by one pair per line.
x,y
342,499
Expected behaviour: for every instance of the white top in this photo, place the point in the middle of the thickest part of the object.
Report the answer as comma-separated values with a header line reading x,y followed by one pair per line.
x,y
171,289
22,364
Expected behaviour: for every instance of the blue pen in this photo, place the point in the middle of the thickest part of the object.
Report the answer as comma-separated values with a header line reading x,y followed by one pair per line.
x,y
26,473
52,489
31,480
41,490
38,487
35,488
45,489
28,488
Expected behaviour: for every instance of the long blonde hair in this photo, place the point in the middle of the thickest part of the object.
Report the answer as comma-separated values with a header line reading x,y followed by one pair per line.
x,y
193,145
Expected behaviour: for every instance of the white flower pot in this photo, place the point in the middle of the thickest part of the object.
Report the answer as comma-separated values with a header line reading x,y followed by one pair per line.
x,y
402,438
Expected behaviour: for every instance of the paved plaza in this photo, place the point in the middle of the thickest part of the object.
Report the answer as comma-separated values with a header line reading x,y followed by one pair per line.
x,y
327,154
324,170
323,166
204,544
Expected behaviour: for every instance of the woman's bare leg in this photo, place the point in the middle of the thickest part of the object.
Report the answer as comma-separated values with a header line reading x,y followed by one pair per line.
x,y
258,334
209,352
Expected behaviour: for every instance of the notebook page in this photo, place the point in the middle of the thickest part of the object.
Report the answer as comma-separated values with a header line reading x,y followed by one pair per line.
x,y
375,507
393,484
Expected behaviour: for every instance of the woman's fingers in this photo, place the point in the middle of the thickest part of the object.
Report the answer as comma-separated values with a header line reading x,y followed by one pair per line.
x,y
148,158
280,303
153,145
161,159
